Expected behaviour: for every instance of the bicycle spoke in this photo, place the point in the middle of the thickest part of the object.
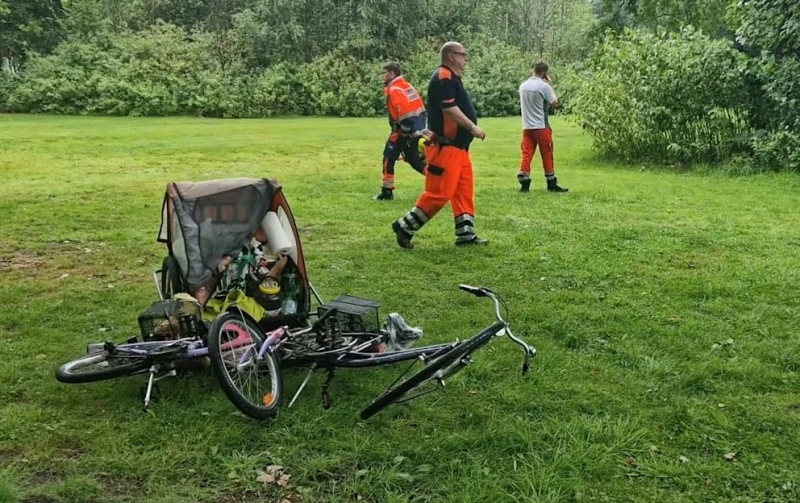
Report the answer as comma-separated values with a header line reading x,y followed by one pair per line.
x,y
418,395
401,375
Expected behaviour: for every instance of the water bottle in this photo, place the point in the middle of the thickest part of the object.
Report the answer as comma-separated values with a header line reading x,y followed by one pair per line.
x,y
290,291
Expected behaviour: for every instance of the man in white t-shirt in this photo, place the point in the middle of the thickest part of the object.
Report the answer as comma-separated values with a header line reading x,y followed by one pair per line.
x,y
536,95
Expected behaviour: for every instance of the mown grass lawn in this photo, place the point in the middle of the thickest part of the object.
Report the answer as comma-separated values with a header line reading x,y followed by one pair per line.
x,y
664,306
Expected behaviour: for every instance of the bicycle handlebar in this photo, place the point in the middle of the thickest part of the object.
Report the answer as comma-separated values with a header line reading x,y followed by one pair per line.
x,y
480,291
530,351
475,290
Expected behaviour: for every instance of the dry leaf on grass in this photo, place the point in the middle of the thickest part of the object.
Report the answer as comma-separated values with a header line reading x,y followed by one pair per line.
x,y
731,455
266,478
631,461
275,475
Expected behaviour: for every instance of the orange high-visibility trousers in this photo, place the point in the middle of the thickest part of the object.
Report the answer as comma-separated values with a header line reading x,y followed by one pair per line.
x,y
449,178
531,138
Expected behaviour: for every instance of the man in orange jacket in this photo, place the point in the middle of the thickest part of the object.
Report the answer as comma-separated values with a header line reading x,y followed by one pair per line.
x,y
452,125
407,119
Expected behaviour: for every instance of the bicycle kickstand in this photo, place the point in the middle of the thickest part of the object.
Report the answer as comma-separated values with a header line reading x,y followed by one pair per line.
x,y
149,394
303,384
326,397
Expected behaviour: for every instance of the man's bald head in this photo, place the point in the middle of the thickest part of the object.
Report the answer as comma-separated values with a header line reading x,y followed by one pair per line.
x,y
454,56
449,48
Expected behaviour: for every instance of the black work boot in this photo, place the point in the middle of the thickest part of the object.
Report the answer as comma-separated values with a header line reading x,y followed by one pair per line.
x,y
403,238
552,185
474,241
385,195
525,184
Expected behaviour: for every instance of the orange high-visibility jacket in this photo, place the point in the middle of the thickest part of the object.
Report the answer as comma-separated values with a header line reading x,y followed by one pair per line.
x,y
406,108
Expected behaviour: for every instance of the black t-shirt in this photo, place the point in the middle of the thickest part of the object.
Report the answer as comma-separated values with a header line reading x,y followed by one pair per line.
x,y
446,90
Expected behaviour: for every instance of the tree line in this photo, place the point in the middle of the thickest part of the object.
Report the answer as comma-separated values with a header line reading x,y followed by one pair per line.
x,y
664,80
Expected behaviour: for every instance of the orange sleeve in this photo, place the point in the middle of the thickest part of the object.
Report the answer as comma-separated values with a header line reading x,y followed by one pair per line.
x,y
396,100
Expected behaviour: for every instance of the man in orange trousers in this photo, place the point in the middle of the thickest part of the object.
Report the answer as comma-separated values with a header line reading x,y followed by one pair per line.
x,y
452,124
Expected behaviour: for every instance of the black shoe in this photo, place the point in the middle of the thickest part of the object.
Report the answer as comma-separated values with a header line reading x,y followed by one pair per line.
x,y
403,238
525,185
385,195
552,186
474,241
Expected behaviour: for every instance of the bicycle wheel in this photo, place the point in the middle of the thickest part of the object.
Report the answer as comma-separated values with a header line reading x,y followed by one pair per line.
x,y
171,279
441,367
254,386
100,367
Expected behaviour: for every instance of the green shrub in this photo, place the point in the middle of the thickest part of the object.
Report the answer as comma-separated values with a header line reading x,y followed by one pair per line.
x,y
166,71
665,97
344,86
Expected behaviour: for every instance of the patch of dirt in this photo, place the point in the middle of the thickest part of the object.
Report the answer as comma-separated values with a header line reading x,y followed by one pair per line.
x,y
323,476
69,453
22,259
44,478
38,499
116,486
243,497
9,455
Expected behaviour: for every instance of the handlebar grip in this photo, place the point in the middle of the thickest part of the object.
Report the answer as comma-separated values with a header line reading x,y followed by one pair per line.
x,y
318,324
478,292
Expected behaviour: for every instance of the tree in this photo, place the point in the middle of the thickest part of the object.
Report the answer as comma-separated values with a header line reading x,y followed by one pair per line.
x,y
27,26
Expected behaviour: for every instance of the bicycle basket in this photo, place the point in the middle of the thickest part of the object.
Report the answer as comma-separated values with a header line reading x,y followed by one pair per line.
x,y
353,314
170,319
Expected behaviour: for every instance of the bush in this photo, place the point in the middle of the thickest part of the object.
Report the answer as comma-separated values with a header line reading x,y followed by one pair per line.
x,y
157,72
778,143
567,82
344,86
493,76
8,82
665,97
165,71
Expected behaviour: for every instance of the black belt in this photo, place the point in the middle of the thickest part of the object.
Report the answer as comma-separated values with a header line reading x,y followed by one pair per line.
x,y
445,141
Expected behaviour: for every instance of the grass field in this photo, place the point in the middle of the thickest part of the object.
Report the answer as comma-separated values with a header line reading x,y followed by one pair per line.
x,y
664,306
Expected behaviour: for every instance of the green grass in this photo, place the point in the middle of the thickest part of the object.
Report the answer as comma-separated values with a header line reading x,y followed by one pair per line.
x,y
664,306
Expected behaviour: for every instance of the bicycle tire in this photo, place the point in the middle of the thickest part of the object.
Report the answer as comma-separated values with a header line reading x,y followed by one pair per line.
x,y
234,394
171,279
65,373
465,348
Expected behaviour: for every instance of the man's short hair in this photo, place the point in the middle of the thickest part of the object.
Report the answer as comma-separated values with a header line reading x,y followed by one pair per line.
x,y
540,67
448,48
392,67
